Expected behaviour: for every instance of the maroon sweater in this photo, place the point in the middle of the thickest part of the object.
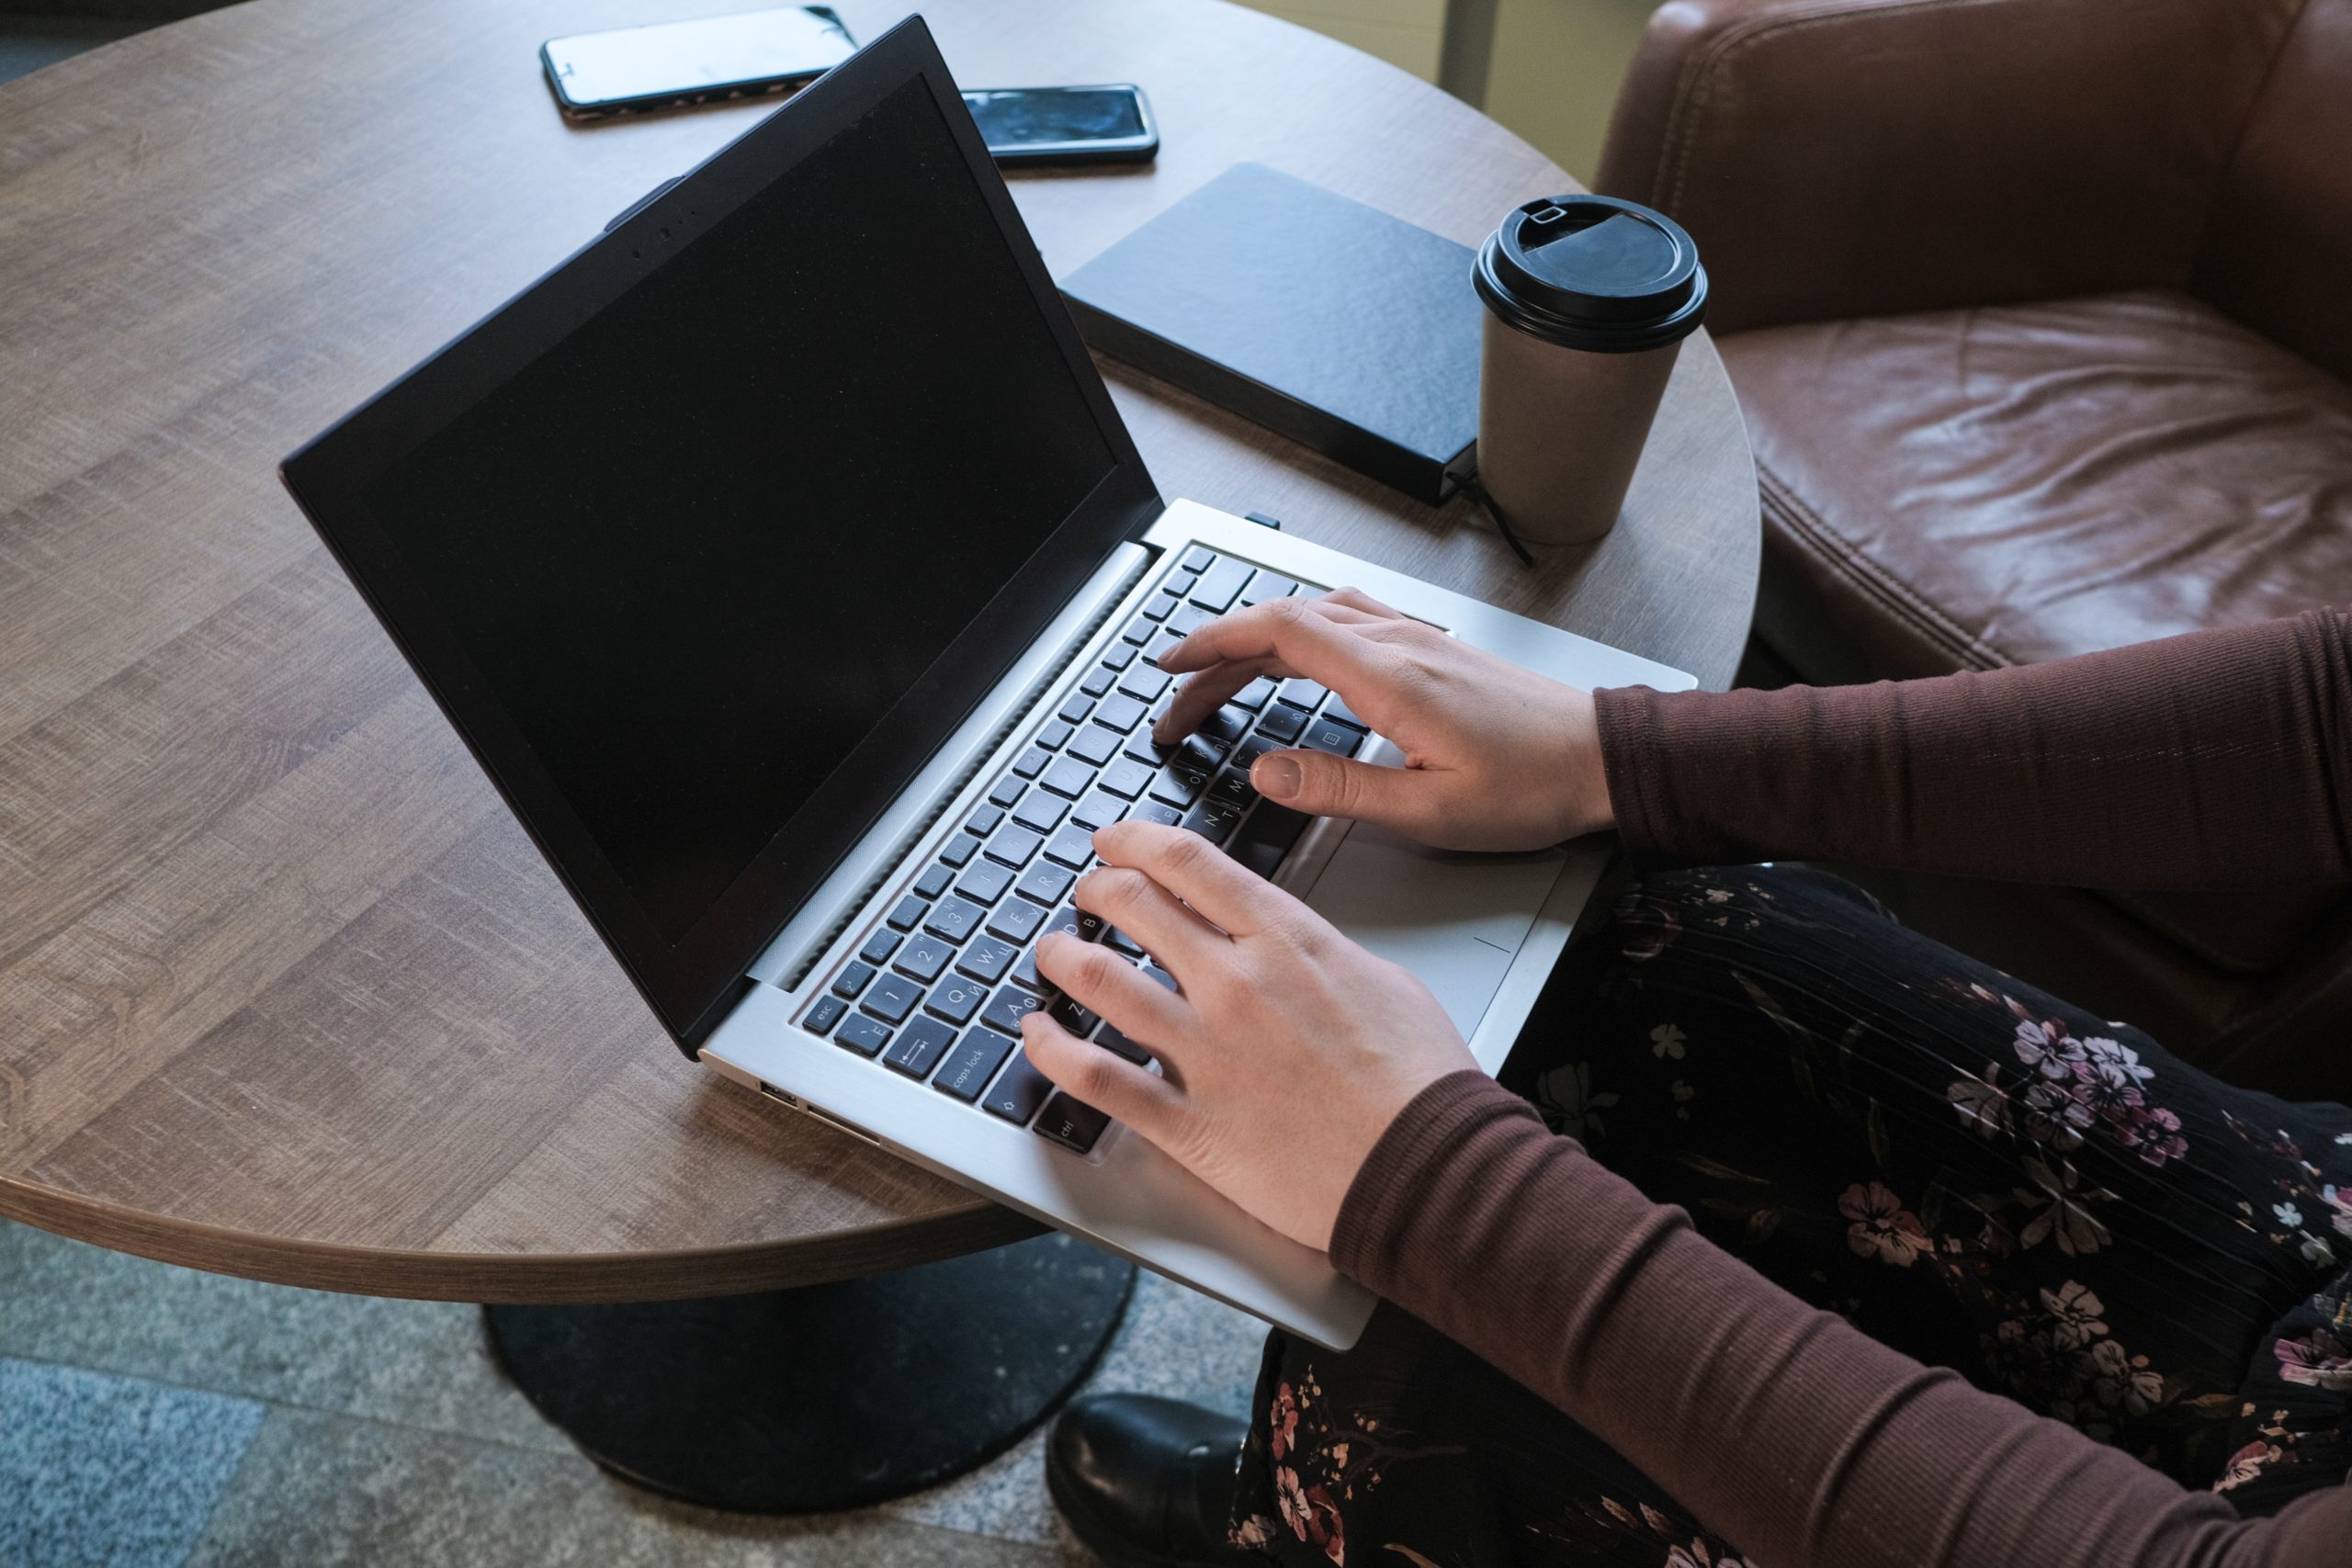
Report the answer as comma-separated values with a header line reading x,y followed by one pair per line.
x,y
2223,757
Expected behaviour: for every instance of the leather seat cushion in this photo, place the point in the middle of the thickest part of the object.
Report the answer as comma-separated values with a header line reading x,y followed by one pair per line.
x,y
2018,483
2011,484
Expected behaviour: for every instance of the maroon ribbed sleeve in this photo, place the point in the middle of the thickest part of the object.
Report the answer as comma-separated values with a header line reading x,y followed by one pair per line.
x,y
2221,757
1785,1429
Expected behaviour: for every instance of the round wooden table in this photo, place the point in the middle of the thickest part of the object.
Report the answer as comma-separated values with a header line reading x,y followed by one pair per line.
x,y
284,990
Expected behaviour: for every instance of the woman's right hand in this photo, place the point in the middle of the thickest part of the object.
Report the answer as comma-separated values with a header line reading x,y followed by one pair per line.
x,y
1496,757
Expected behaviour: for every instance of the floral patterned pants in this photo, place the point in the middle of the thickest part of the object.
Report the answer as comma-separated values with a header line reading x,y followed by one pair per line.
x,y
1971,1171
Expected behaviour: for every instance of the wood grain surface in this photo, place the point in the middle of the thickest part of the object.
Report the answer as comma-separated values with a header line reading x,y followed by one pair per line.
x,y
284,990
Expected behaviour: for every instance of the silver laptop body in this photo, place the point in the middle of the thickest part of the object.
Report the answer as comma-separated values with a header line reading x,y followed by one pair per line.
x,y
1483,931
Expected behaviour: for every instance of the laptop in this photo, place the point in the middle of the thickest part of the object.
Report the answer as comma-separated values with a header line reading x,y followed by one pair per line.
x,y
782,559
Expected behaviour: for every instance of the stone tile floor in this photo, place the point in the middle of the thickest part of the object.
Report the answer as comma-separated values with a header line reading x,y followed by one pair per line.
x,y
154,1417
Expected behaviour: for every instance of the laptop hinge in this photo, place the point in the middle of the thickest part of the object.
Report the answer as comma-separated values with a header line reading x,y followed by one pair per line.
x,y
879,854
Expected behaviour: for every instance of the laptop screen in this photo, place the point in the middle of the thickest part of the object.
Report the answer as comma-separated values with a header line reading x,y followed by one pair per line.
x,y
700,547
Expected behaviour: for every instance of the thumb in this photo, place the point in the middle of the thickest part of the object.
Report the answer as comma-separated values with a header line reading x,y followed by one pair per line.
x,y
1323,786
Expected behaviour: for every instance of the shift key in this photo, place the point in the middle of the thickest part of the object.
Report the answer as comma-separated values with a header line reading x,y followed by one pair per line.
x,y
1016,1095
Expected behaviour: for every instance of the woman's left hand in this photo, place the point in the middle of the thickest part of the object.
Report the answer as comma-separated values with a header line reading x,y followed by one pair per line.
x,y
1287,1054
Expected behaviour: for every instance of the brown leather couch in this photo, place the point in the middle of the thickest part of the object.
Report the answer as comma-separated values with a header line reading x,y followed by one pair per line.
x,y
2040,312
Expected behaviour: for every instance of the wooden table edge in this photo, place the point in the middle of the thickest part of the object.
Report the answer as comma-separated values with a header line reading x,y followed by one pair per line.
x,y
538,1278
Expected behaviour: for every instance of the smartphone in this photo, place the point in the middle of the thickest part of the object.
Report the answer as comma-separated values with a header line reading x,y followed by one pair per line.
x,y
669,64
1066,125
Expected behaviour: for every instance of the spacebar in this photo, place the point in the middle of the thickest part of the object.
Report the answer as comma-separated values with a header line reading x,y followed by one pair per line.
x,y
1266,836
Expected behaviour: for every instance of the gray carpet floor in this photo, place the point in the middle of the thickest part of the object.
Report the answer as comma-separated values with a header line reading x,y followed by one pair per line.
x,y
154,1417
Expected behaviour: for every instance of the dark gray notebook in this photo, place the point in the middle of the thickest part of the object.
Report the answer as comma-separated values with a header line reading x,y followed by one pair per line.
x,y
1330,321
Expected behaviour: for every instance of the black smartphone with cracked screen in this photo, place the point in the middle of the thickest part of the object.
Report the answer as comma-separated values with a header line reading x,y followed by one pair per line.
x,y
1109,124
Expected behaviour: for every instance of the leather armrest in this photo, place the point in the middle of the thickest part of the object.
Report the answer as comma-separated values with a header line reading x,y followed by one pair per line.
x,y
1837,158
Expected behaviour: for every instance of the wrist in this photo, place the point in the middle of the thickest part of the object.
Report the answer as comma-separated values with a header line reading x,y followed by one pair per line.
x,y
1587,780
1399,1170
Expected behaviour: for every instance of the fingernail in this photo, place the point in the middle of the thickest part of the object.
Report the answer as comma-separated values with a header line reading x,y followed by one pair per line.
x,y
1277,776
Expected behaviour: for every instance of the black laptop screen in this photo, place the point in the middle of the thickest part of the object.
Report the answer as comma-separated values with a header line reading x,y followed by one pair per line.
x,y
703,545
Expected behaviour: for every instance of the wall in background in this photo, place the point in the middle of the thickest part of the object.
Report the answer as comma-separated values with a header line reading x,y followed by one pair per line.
x,y
1552,74
1555,71
1403,32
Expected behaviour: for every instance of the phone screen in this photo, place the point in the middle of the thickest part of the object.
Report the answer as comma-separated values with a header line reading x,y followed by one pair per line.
x,y
679,59
1026,117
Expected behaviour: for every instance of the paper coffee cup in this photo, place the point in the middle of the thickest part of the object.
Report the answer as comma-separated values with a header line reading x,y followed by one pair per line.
x,y
1588,302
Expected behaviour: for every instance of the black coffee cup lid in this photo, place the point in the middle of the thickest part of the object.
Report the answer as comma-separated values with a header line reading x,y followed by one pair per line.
x,y
1593,272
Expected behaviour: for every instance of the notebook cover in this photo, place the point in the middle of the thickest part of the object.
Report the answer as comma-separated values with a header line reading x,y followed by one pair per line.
x,y
1331,322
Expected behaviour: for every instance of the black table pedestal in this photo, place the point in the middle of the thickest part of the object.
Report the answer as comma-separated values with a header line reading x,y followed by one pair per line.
x,y
828,1396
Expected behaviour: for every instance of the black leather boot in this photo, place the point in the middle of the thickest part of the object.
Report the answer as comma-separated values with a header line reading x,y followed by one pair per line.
x,y
1146,1483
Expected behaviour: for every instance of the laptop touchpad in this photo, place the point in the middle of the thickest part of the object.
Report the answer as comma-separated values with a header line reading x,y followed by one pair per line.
x,y
1456,921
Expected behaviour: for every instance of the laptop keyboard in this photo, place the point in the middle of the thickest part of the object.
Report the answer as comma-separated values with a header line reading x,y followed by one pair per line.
x,y
939,987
